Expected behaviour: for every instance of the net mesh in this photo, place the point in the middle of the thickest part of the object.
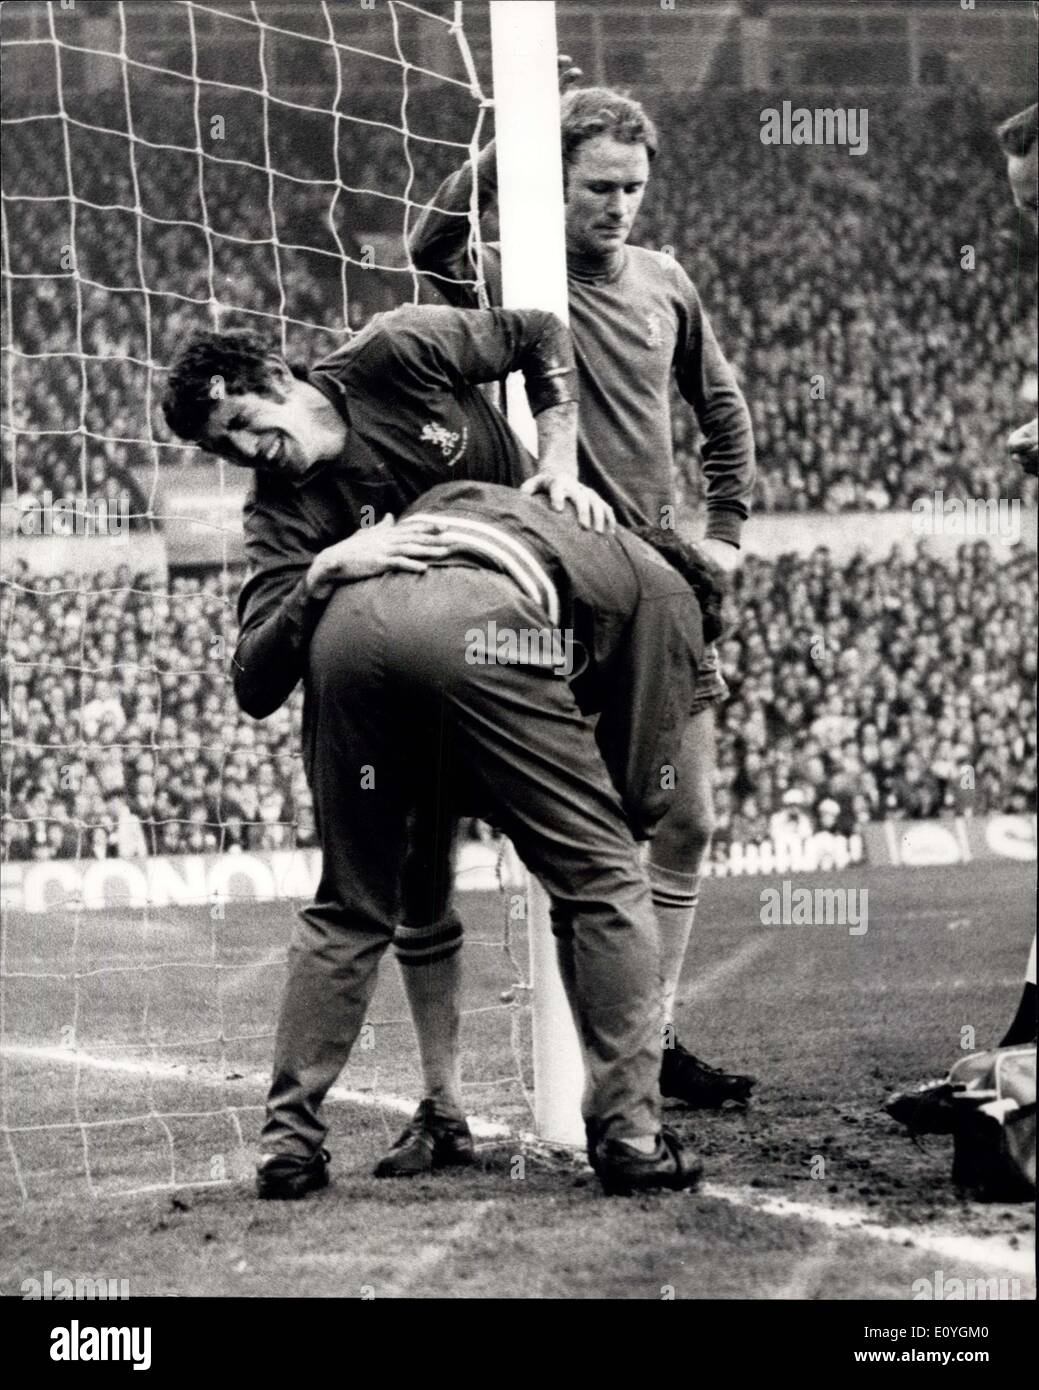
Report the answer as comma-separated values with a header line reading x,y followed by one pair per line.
x,y
168,166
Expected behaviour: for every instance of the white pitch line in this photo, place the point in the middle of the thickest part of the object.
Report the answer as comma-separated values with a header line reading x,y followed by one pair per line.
x,y
708,980
988,1251
173,1071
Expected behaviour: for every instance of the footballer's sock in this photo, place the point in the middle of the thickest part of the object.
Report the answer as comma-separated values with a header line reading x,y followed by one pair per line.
x,y
675,896
1023,1028
434,991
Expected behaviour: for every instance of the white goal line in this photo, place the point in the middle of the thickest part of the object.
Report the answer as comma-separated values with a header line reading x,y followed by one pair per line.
x,y
989,1252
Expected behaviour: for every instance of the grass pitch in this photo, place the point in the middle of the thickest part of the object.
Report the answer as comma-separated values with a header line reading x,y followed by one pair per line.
x,y
137,1047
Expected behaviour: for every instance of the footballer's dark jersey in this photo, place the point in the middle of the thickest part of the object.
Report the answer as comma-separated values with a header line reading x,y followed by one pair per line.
x,y
637,324
408,387
633,621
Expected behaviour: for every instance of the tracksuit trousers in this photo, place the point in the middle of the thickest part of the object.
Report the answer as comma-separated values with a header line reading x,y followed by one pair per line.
x,y
393,701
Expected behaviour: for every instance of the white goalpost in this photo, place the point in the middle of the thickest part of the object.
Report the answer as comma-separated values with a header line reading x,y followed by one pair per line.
x,y
533,268
227,165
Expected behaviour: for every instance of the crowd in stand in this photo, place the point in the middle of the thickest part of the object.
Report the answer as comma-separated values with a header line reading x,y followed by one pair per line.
x,y
878,313
84,332
867,690
860,690
121,732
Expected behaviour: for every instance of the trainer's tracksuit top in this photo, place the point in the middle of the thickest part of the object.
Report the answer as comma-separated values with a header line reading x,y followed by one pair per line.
x,y
408,387
636,321
634,621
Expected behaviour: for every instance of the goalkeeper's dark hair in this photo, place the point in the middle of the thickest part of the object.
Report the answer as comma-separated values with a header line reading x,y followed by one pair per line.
x,y
708,580
213,365
586,112
1018,134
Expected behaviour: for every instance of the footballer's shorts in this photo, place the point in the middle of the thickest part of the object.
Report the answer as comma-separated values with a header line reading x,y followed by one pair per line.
x,y
711,688
395,704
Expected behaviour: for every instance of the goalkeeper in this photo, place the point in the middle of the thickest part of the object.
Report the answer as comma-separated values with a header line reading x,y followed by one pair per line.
x,y
338,446
461,675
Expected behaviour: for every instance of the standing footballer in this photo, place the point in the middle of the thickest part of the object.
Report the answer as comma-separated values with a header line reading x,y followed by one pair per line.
x,y
637,324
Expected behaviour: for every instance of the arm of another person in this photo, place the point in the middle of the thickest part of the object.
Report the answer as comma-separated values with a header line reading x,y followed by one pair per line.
x,y
441,239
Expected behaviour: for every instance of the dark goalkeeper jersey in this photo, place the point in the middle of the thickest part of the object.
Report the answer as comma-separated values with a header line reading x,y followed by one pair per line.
x,y
636,326
408,386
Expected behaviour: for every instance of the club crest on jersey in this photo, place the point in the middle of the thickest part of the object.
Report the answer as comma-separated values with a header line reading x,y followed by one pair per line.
x,y
446,441
654,331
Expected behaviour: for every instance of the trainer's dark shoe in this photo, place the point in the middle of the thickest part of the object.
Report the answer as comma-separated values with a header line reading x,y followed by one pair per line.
x,y
927,1110
622,1170
697,1084
432,1139
286,1178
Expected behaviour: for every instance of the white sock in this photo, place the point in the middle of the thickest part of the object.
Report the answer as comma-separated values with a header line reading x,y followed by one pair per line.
x,y
434,990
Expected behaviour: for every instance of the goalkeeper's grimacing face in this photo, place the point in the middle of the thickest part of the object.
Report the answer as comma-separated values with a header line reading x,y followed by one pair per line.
x,y
283,430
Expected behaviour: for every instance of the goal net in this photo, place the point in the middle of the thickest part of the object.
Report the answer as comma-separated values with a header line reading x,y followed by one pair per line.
x,y
168,167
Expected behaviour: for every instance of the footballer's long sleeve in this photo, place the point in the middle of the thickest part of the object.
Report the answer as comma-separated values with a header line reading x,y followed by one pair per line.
x,y
440,242
708,383
276,619
426,347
